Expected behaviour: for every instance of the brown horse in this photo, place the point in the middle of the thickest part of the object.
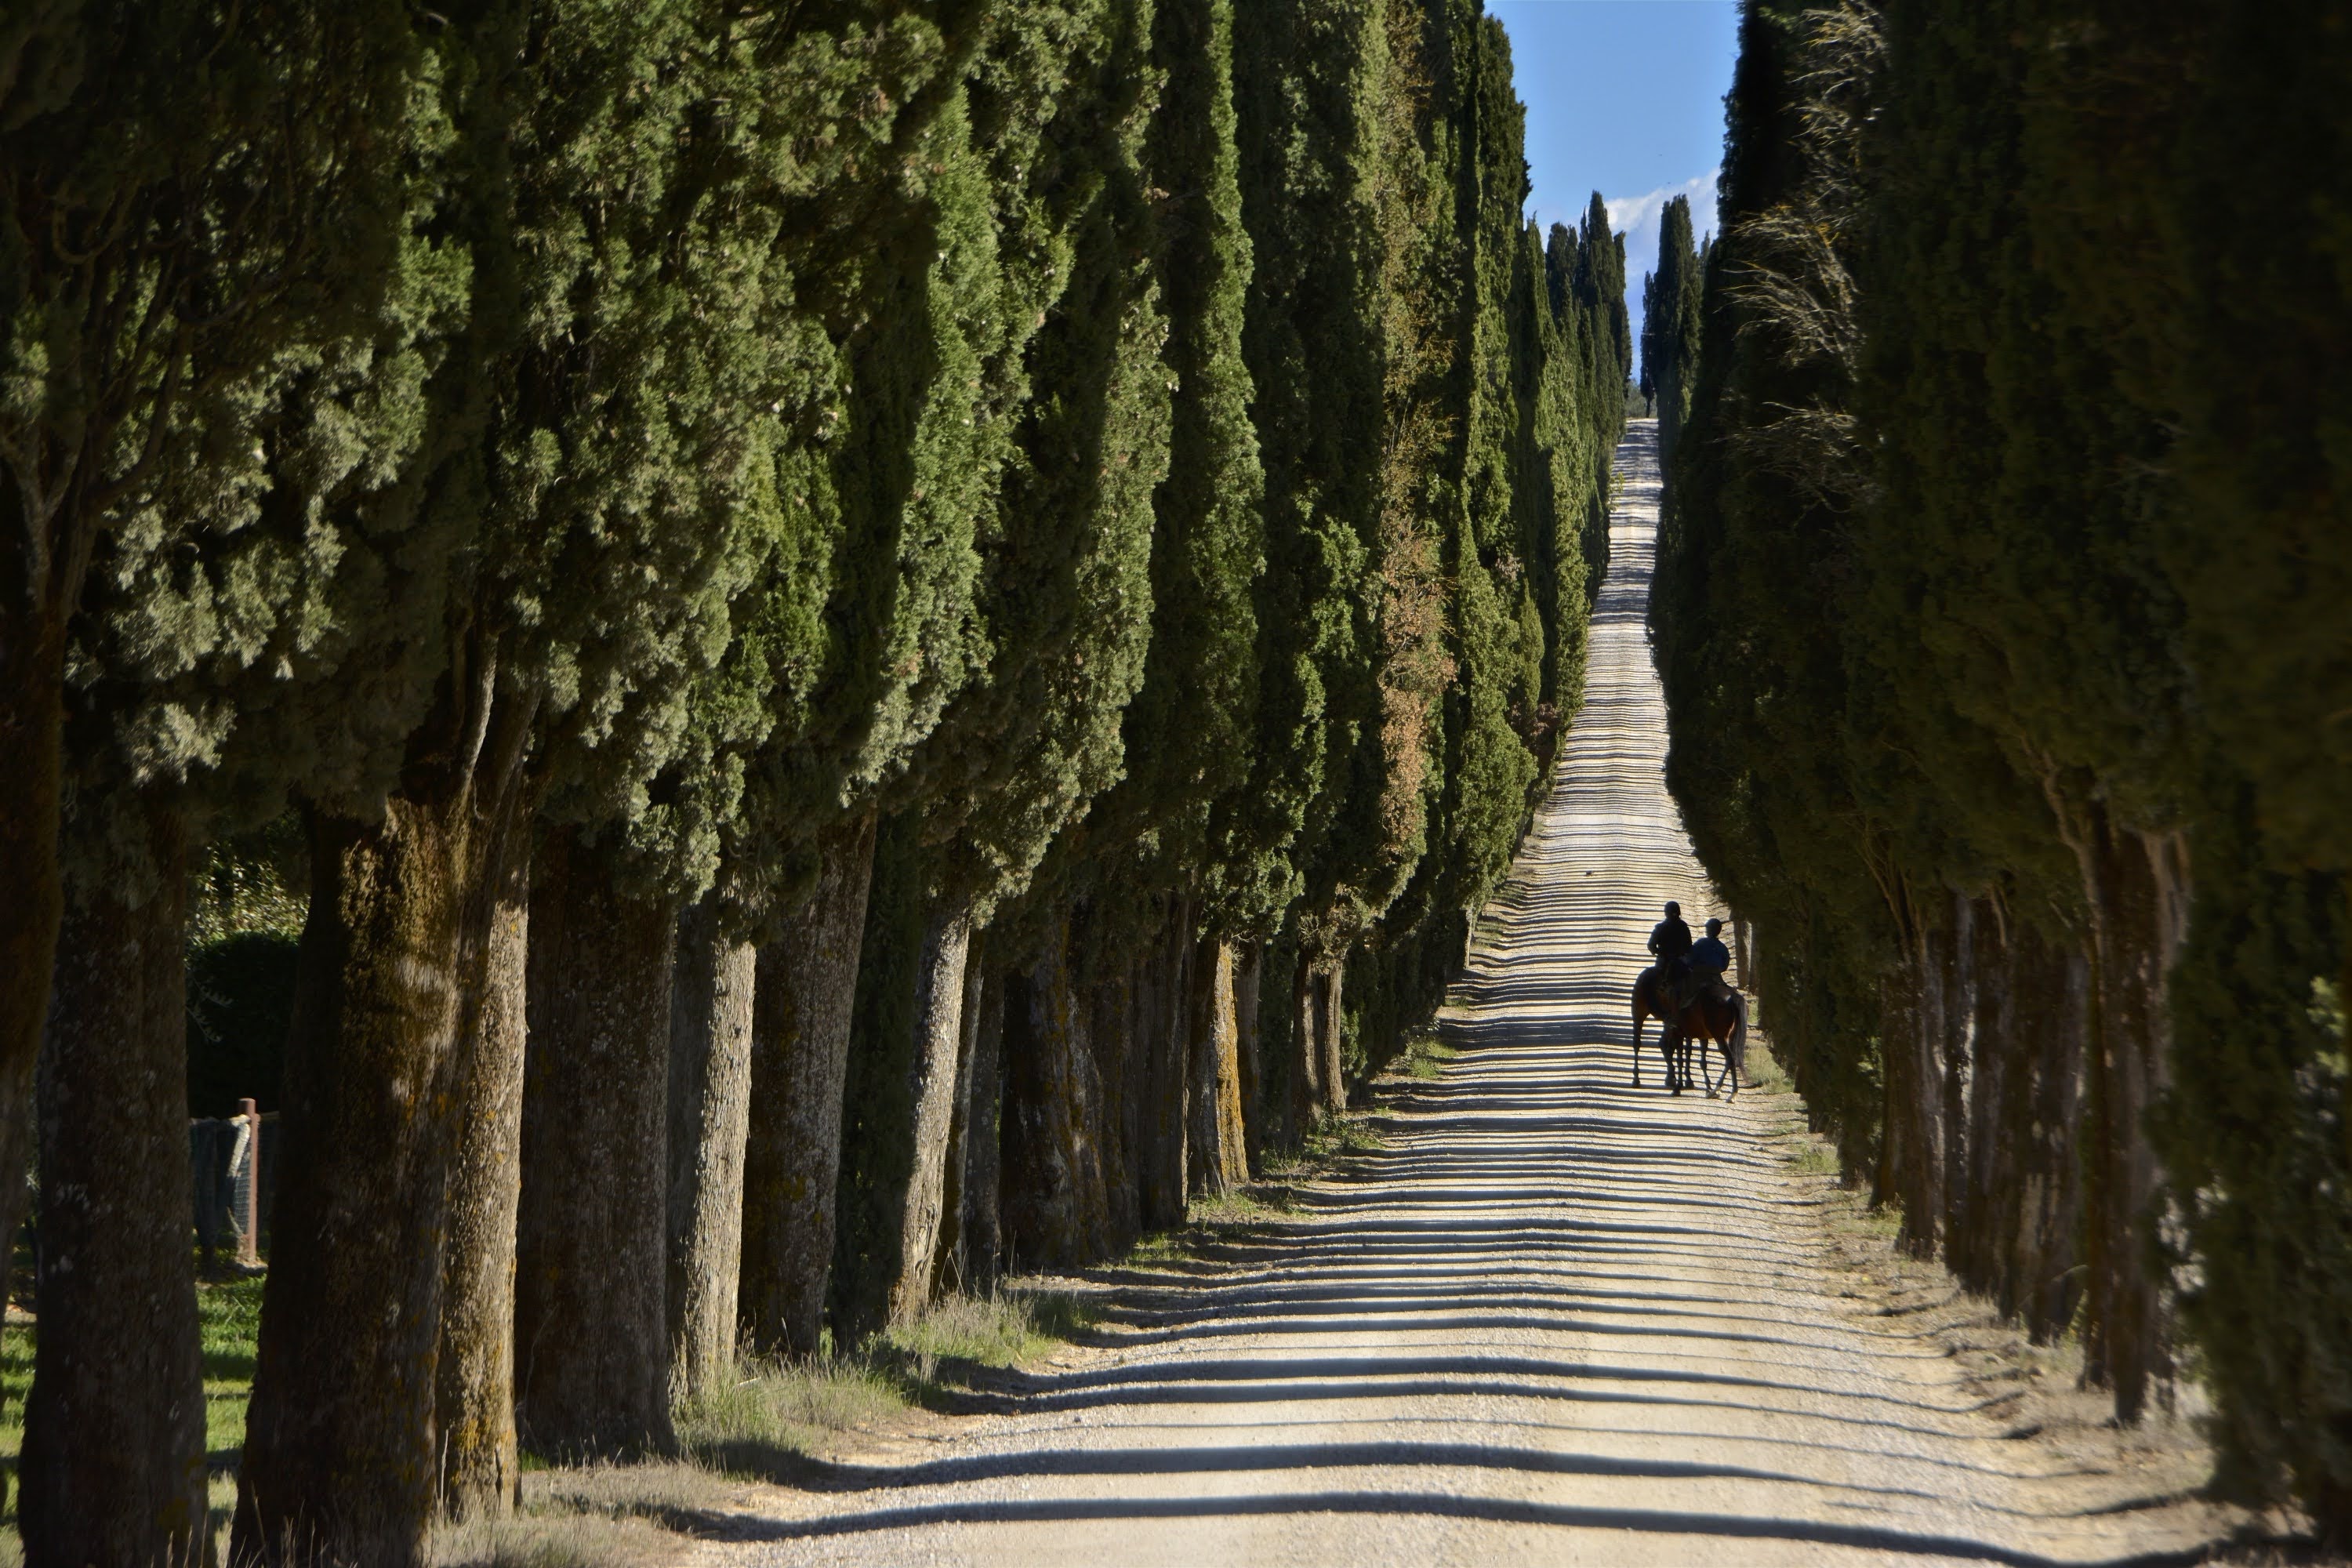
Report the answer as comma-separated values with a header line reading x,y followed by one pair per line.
x,y
1720,1021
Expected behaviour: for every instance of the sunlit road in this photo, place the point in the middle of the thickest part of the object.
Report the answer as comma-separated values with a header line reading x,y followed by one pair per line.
x,y
1554,1319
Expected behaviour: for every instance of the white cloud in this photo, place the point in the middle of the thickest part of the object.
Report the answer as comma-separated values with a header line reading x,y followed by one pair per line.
x,y
1638,218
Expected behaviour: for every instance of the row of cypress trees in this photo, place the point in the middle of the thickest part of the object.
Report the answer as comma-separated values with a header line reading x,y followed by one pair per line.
x,y
900,631
1999,608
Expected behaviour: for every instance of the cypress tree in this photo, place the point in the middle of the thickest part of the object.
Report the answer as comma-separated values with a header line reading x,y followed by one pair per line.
x,y
1673,326
1065,596
132,298
576,481
143,458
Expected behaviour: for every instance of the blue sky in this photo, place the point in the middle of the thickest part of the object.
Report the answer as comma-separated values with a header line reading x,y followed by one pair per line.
x,y
1625,97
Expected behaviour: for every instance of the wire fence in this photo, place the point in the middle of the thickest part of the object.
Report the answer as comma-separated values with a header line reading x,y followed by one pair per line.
x,y
235,1161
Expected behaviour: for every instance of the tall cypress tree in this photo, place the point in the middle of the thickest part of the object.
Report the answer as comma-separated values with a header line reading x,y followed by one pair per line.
x,y
131,295
1670,322
1065,596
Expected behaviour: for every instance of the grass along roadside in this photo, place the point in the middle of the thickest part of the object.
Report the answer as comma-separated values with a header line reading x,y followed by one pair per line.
x,y
776,1416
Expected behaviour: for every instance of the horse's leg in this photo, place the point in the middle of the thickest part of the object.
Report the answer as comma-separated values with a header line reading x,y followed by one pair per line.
x,y
1640,1017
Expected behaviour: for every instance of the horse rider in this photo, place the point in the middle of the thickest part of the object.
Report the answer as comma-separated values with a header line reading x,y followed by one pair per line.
x,y
1709,959
1669,940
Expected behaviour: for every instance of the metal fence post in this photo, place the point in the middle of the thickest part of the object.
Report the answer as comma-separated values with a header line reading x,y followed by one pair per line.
x,y
248,1245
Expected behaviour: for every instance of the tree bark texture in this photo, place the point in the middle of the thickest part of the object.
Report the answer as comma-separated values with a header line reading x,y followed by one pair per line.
x,y
979,1231
1163,1041
709,1117
2133,886
1911,1160
1330,1024
1307,1095
1056,1207
939,1042
1220,1163
2016,1239
592,1335
950,1268
804,999
32,740
1249,965
113,1461
1108,971
340,1461
474,1395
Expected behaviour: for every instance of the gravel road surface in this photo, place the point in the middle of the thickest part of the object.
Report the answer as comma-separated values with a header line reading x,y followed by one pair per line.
x,y
1553,1320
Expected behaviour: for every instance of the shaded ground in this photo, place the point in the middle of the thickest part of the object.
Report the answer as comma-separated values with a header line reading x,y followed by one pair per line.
x,y
1551,1319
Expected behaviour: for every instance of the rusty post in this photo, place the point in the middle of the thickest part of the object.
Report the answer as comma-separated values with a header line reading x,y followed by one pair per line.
x,y
248,1245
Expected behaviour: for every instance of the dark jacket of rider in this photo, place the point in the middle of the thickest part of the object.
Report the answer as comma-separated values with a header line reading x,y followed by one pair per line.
x,y
1670,941
1709,956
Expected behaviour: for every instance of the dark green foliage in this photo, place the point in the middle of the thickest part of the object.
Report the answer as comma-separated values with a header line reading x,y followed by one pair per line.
x,y
1975,593
1136,448
1670,325
1186,736
240,1002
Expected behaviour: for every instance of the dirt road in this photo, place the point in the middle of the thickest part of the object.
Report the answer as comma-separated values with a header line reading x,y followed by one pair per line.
x,y
1554,1319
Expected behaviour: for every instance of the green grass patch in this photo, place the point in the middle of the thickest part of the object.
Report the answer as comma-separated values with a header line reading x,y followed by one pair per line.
x,y
807,1406
228,1321
1326,1141
1425,1057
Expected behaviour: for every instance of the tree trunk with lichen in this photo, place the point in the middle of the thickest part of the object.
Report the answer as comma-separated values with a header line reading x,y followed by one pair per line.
x,y
592,1334
339,1461
481,1464
113,1462
709,1104
804,998
1220,1160
938,1042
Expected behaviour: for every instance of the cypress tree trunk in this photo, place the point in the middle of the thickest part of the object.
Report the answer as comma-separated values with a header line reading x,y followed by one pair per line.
x,y
1307,1095
1997,1154
710,1106
978,1226
954,1267
1219,1161
1330,1017
1955,958
1055,1205
1248,967
33,617
1108,972
1163,1038
474,1396
938,1041
2134,927
804,1001
591,1339
113,1464
339,1463
1913,1088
